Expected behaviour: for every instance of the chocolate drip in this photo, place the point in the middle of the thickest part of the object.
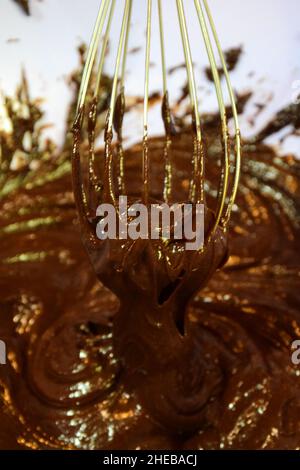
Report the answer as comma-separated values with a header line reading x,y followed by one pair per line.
x,y
154,283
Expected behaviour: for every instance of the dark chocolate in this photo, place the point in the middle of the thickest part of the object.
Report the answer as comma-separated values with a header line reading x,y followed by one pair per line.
x,y
155,363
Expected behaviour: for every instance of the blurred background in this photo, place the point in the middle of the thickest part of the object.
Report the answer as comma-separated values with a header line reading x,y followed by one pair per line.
x,y
45,45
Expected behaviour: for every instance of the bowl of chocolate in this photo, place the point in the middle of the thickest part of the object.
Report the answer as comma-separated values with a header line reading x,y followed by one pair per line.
x,y
112,348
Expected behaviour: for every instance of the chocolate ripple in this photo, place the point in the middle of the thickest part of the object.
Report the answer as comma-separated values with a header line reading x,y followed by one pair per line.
x,y
64,387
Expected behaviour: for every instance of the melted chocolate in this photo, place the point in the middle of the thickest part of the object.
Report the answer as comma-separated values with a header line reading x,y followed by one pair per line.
x,y
154,363
64,386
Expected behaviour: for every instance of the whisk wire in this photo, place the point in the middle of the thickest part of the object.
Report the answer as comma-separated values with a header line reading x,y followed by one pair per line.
x,y
146,106
117,66
104,48
92,51
166,113
162,47
237,149
109,192
223,186
197,186
126,45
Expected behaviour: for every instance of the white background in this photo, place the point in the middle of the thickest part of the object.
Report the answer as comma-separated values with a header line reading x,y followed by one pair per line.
x,y
268,30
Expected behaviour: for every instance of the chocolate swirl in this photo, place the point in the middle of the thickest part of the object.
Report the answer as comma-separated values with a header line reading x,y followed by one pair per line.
x,y
64,387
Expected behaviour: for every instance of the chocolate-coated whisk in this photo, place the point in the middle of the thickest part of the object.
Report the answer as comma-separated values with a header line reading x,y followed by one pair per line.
x,y
174,378
230,165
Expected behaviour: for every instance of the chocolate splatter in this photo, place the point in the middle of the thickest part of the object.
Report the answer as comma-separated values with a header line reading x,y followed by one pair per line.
x,y
232,57
24,4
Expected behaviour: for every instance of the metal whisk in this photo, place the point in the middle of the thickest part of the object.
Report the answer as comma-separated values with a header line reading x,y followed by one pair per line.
x,y
155,279
231,155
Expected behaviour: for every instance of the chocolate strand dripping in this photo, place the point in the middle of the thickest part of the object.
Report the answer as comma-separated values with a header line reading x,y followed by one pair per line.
x,y
93,184
118,124
78,188
161,362
169,131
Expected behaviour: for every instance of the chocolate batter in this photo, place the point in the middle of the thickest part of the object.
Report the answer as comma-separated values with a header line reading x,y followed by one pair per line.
x,y
157,364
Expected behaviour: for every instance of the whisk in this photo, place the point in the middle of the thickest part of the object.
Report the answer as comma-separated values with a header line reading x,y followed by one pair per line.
x,y
116,108
154,270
